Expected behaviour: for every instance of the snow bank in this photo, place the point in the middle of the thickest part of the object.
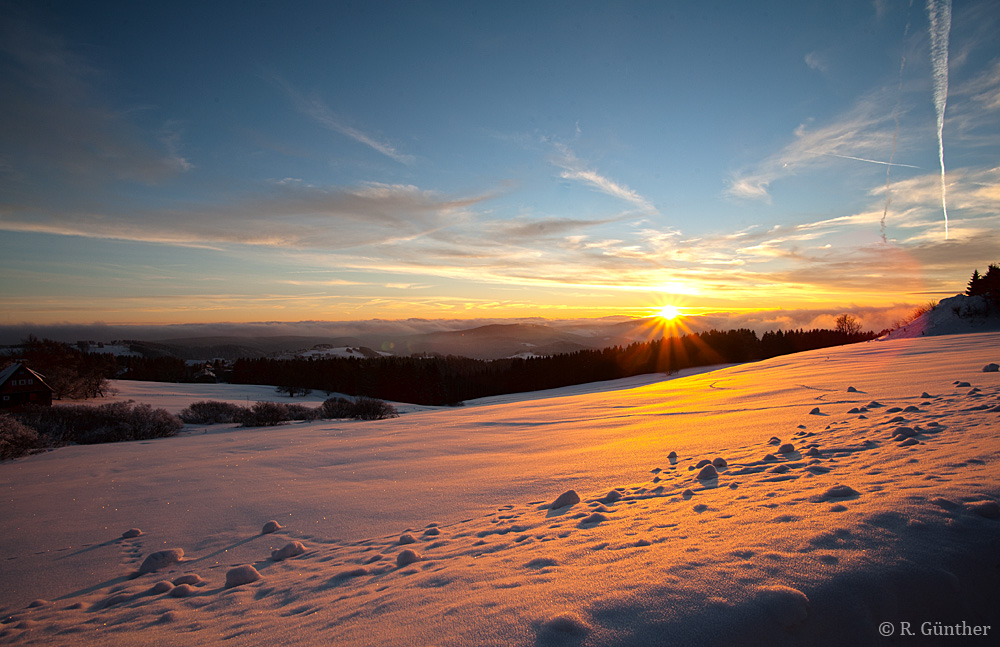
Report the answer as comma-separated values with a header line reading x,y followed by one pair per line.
x,y
957,315
848,529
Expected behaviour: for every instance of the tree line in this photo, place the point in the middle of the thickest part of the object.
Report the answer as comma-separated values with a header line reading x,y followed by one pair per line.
x,y
987,284
435,379
442,380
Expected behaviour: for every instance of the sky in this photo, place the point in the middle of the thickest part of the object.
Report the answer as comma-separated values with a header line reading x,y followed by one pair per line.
x,y
313,161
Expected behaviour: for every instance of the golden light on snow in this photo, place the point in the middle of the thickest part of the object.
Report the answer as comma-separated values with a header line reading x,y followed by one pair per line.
x,y
741,503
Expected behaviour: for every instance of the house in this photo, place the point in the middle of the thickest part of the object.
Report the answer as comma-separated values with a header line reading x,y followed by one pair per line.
x,y
19,385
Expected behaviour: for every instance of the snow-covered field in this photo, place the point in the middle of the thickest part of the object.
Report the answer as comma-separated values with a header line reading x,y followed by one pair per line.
x,y
881,509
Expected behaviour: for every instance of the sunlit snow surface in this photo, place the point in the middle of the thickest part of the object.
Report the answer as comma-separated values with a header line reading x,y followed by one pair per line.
x,y
769,552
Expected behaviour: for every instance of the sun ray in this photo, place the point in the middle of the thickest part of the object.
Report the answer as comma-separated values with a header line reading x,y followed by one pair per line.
x,y
669,312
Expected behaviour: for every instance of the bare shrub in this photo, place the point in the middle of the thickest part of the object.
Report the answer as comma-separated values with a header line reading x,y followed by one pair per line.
x,y
916,314
54,425
373,409
147,422
211,412
261,414
266,414
16,439
337,408
112,422
303,412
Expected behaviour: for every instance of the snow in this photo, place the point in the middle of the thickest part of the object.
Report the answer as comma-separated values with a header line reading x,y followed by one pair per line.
x,y
818,545
118,350
175,397
956,315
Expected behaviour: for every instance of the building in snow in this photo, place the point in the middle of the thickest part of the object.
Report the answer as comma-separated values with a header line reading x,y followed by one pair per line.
x,y
19,386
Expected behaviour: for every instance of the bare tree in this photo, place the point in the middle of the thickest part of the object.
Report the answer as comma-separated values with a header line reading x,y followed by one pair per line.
x,y
848,324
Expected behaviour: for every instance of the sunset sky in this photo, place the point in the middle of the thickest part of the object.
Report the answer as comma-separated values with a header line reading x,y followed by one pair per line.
x,y
271,161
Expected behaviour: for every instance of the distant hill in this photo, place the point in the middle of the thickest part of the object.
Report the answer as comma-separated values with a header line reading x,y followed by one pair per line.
x,y
493,341
233,347
488,342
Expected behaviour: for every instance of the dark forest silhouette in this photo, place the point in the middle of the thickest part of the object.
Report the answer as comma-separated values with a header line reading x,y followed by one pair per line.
x,y
433,379
437,380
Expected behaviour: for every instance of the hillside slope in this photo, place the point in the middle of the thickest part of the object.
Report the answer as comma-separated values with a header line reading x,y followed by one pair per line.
x,y
957,315
858,486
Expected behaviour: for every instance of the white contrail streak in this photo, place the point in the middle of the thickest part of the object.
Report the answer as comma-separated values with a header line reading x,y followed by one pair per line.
x,y
863,159
939,12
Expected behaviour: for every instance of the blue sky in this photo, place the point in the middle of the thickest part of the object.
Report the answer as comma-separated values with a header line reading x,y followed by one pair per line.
x,y
202,162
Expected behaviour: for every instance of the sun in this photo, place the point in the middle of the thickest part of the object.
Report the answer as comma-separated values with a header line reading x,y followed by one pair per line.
x,y
669,313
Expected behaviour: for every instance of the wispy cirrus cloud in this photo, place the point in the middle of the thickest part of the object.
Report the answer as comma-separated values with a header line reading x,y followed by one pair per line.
x,y
317,109
862,134
575,169
282,215
972,115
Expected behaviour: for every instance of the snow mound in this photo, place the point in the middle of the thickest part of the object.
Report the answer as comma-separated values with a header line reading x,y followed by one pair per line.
x,y
291,549
957,315
241,575
270,526
161,559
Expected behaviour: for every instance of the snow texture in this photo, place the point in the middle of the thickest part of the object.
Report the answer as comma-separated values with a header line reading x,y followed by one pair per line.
x,y
817,546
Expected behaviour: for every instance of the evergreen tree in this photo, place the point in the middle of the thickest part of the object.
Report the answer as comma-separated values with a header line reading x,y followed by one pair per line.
x,y
987,285
974,284
991,283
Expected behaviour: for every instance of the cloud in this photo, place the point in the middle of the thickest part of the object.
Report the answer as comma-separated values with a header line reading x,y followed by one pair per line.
x,y
750,188
874,318
416,238
974,103
574,169
539,228
973,194
373,330
284,215
316,109
862,134
817,61
57,119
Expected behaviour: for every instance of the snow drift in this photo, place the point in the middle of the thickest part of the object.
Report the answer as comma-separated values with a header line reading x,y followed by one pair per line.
x,y
956,315
850,487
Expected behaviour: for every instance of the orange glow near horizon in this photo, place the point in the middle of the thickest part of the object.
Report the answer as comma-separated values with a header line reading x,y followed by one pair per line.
x,y
669,312
666,320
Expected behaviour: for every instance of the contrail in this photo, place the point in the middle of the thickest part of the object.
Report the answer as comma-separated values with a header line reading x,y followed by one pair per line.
x,y
895,118
939,12
862,159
